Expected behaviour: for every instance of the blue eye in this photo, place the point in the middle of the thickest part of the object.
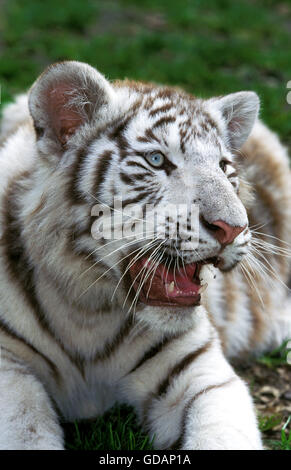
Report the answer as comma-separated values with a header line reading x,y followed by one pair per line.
x,y
155,159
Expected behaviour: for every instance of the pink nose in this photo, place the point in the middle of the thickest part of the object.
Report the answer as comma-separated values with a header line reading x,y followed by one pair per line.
x,y
225,233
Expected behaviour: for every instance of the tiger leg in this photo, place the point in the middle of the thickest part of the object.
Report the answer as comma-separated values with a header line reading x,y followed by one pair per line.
x,y
27,419
188,396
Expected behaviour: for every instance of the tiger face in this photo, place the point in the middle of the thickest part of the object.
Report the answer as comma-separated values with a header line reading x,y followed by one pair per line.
x,y
147,144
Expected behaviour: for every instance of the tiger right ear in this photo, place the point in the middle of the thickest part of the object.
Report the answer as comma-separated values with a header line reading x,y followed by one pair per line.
x,y
239,111
63,99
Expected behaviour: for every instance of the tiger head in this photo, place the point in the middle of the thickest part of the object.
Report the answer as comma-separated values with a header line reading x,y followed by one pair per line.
x,y
148,144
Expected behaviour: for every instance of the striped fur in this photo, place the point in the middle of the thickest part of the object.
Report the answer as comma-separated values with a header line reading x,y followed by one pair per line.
x,y
69,347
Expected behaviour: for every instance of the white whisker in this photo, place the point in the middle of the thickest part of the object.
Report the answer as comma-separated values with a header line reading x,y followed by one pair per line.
x,y
133,242
118,240
111,267
271,236
139,255
146,276
145,267
250,279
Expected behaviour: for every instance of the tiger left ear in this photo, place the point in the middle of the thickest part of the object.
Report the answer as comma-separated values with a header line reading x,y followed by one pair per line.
x,y
239,111
63,99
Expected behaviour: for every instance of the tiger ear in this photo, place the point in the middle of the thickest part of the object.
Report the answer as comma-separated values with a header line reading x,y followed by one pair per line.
x,y
65,97
239,111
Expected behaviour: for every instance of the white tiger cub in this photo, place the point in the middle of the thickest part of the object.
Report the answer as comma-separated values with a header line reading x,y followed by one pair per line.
x,y
71,342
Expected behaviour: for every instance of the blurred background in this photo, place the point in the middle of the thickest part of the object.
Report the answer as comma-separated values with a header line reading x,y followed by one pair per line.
x,y
208,47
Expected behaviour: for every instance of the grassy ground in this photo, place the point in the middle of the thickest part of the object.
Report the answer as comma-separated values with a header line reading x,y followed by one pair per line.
x,y
116,430
269,380
209,48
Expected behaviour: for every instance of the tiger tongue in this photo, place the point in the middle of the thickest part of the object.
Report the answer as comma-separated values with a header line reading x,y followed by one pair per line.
x,y
165,286
181,277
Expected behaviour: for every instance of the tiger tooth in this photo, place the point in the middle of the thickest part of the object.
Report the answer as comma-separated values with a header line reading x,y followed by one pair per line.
x,y
171,287
203,288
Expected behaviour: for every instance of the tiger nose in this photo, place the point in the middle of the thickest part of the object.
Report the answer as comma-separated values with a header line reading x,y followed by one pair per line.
x,y
223,232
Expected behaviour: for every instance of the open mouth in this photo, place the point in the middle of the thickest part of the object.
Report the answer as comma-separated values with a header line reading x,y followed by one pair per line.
x,y
159,284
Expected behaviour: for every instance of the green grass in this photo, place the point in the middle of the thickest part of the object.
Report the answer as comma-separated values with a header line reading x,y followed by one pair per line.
x,y
267,423
285,443
116,430
276,357
209,48
277,444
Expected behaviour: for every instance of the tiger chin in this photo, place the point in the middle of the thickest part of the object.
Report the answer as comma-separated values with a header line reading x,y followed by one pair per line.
x,y
86,322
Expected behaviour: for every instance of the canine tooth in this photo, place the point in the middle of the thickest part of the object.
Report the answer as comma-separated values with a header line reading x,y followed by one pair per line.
x,y
171,287
203,288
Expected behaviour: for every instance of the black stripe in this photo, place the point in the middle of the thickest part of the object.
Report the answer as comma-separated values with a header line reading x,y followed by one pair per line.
x,y
161,109
168,166
157,200
210,123
181,367
142,188
179,442
167,92
175,371
182,144
136,199
16,336
103,165
73,192
117,134
132,179
164,120
154,350
149,136
18,265
112,345
126,179
150,172
140,176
